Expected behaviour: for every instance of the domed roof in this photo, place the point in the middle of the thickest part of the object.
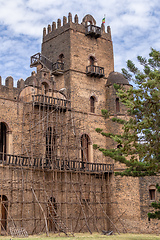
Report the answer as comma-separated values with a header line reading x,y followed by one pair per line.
x,y
31,81
116,77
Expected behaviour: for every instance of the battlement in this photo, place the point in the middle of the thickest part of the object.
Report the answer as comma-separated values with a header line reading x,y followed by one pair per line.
x,y
56,29
20,83
8,90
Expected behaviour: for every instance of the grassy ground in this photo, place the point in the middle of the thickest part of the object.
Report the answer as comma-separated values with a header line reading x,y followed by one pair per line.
x,y
86,236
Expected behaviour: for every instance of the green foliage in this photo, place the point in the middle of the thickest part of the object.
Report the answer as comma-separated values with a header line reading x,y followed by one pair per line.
x,y
117,86
99,130
140,140
105,113
95,146
118,120
158,187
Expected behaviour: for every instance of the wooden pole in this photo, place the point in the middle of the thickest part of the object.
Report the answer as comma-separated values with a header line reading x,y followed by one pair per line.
x,y
42,212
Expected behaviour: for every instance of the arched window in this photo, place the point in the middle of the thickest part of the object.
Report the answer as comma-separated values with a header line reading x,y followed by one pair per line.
x,y
4,209
117,105
51,213
50,144
92,104
85,147
92,60
3,131
152,193
61,58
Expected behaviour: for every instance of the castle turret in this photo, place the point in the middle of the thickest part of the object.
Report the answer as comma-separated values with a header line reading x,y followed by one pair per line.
x,y
113,104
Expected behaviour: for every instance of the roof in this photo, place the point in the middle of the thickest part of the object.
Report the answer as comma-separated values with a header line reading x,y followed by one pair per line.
x,y
31,81
116,77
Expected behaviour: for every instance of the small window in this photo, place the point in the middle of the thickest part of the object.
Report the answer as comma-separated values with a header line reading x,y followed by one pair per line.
x,y
92,104
117,105
61,58
152,193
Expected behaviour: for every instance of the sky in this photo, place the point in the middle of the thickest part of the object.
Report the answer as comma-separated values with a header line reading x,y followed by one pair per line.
x,y
135,28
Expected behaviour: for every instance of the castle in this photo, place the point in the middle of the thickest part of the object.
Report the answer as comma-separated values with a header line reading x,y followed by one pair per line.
x,y
51,177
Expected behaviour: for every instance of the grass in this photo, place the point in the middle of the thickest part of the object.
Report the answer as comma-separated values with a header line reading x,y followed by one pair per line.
x,y
87,236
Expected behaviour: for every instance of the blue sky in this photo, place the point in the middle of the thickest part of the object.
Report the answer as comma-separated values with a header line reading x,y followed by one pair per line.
x,y
135,27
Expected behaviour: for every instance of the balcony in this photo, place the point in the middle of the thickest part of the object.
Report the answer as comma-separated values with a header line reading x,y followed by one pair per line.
x,y
56,68
38,58
44,100
60,165
95,71
93,31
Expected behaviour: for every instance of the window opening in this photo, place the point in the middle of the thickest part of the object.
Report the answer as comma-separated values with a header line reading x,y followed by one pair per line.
x,y
61,58
84,147
45,88
117,105
92,60
92,104
152,194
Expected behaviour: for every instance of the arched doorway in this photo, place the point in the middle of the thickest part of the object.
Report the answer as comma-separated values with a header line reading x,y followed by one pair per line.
x,y
85,148
92,60
4,210
52,213
45,88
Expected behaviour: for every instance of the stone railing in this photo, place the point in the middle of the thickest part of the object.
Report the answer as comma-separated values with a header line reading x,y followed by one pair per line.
x,y
93,31
56,68
62,165
47,100
96,71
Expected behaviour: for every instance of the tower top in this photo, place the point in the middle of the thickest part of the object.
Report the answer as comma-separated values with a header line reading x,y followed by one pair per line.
x,y
88,20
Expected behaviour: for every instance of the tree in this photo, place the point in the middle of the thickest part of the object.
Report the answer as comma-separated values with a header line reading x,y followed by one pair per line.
x,y
140,141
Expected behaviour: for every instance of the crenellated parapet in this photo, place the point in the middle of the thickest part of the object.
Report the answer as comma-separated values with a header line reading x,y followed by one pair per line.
x,y
9,82
8,91
69,23
36,80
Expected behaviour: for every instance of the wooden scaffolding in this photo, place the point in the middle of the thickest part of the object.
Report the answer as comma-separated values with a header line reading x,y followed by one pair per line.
x,y
48,186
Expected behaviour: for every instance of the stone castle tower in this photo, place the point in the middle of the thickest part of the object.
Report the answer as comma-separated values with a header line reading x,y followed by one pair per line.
x,y
51,177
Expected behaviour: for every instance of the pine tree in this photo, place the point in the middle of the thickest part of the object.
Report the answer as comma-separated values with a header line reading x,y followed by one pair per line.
x,y
139,144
